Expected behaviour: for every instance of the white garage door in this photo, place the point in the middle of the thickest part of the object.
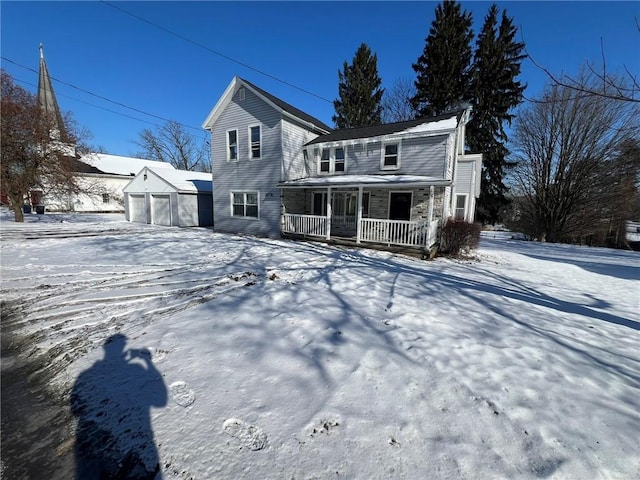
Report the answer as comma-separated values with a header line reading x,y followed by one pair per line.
x,y
160,210
137,211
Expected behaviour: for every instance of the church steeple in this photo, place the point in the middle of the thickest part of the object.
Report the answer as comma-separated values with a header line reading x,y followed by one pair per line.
x,y
47,99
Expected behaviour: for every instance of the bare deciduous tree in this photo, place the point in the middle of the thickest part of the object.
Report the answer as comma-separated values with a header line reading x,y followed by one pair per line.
x,y
396,103
172,144
623,87
32,158
562,145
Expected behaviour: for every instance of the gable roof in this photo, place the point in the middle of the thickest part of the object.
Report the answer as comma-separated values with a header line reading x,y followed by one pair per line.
x,y
117,165
183,181
280,105
186,181
446,121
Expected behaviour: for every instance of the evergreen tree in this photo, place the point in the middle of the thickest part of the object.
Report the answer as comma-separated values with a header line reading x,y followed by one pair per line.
x,y
494,93
444,68
359,90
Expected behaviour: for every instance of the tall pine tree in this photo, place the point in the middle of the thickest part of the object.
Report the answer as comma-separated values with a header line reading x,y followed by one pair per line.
x,y
359,90
444,68
495,92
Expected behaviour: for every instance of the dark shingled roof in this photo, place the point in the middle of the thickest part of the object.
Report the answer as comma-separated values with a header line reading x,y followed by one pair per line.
x,y
383,129
290,108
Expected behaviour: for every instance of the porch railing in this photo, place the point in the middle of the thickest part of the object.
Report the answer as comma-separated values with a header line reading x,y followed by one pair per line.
x,y
398,232
313,225
390,232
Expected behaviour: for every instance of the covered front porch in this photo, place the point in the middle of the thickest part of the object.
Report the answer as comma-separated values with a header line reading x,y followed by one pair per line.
x,y
389,210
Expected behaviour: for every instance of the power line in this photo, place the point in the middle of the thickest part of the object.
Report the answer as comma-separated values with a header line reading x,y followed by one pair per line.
x,y
226,57
103,97
205,137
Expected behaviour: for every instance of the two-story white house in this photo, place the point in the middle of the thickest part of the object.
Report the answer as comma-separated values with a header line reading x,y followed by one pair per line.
x,y
278,171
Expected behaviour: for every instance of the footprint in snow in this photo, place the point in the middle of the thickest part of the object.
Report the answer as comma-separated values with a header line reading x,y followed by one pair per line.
x,y
182,394
251,436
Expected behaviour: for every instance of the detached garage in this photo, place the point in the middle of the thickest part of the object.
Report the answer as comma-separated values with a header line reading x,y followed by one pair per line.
x,y
170,197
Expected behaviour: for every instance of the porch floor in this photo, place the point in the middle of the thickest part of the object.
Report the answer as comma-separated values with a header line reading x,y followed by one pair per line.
x,y
418,252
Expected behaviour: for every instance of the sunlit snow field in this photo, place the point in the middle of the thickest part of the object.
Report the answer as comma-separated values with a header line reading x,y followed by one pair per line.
x,y
286,359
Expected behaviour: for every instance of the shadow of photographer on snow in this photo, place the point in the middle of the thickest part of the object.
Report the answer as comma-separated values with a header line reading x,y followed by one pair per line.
x,y
112,401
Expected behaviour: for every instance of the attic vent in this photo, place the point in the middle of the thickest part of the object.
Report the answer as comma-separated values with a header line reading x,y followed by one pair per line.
x,y
241,94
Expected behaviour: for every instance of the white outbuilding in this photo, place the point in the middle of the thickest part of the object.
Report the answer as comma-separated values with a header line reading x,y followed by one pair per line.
x,y
170,197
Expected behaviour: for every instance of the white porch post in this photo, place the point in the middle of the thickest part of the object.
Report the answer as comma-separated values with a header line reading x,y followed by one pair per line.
x,y
429,216
328,213
359,216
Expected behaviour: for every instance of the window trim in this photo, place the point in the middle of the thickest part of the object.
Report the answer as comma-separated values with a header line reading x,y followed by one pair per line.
x,y
244,193
383,156
250,142
331,160
229,159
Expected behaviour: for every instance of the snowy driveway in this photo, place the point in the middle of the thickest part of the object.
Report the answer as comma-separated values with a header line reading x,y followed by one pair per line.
x,y
299,360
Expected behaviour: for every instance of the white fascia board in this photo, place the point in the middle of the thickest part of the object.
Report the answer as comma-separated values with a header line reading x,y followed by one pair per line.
x,y
220,105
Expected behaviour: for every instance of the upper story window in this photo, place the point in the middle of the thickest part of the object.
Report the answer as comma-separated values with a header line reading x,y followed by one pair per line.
x,y
106,198
255,141
325,160
390,156
339,160
232,145
332,160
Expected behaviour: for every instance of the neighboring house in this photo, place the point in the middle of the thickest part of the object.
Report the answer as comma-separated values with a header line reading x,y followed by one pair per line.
x,y
163,196
279,171
102,178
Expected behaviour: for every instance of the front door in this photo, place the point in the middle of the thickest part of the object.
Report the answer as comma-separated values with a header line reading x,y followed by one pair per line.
x,y
400,206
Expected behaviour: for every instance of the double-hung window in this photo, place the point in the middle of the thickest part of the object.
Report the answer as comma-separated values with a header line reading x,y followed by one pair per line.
x,y
325,160
461,206
232,145
338,159
244,204
255,141
332,160
390,156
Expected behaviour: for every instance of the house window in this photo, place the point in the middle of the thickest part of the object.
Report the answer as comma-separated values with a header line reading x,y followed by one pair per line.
x,y
332,160
339,160
461,202
244,204
390,156
105,198
325,160
255,141
232,145
342,203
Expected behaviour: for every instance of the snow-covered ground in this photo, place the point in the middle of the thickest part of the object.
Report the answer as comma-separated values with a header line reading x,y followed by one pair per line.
x,y
294,360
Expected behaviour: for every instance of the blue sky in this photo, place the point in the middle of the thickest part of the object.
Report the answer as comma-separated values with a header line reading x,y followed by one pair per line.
x,y
94,47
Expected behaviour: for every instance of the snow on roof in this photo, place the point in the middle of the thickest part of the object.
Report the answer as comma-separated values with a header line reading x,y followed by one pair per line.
x,y
118,165
355,180
186,181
